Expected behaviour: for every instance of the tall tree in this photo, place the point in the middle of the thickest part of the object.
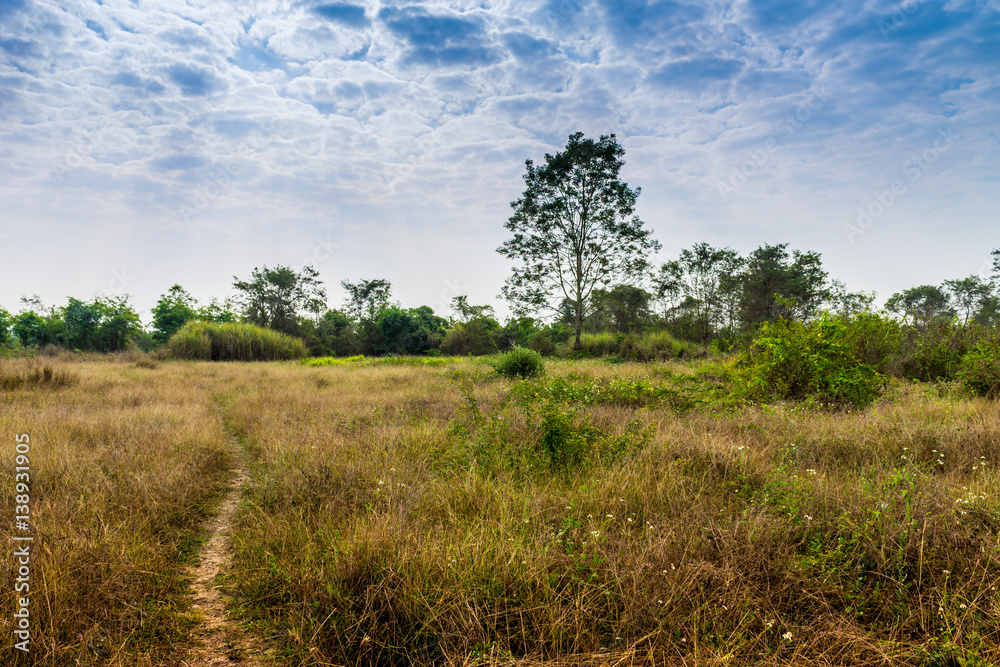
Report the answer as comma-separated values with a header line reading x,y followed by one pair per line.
x,y
574,230
274,297
923,304
171,312
969,294
366,299
778,284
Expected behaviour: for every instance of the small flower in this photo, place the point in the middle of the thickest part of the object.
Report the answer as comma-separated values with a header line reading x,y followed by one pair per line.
x,y
595,533
808,518
961,606
787,636
770,623
610,516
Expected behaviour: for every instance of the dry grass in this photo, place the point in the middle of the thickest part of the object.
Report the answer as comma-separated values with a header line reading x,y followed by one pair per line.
x,y
375,533
373,537
122,466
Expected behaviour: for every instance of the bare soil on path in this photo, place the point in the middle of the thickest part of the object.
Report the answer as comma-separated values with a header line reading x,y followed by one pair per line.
x,y
219,641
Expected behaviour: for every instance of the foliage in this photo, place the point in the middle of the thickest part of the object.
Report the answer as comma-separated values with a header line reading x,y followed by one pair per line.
x,y
412,331
366,299
6,321
237,341
172,311
922,304
476,337
519,363
574,229
622,309
934,351
333,335
651,346
525,436
979,370
776,285
816,361
273,298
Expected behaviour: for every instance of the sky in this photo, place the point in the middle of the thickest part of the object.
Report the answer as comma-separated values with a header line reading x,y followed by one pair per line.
x,y
144,143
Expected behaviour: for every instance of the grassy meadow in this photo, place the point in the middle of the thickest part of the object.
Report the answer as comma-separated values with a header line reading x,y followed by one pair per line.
x,y
410,511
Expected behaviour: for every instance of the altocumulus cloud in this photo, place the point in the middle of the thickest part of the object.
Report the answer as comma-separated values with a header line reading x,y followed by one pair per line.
x,y
441,39
323,116
346,14
195,81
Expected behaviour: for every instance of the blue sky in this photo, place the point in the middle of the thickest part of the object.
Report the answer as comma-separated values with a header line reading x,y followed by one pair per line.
x,y
148,143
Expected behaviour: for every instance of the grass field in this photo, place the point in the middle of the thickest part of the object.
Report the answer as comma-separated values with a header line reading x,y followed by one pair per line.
x,y
400,512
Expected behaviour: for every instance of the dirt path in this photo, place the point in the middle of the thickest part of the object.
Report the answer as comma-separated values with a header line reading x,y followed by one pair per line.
x,y
219,641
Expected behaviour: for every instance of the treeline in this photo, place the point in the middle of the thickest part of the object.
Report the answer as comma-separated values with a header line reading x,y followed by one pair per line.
x,y
707,295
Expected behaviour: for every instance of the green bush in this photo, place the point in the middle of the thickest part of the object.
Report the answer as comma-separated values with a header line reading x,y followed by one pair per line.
x,y
980,368
817,361
652,346
235,341
519,363
935,352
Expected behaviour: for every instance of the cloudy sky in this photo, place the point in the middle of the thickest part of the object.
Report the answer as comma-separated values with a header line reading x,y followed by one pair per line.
x,y
149,143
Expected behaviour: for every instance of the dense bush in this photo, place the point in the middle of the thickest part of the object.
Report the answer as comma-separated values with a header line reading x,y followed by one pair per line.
x,y
654,346
980,368
475,337
519,363
934,351
818,361
210,341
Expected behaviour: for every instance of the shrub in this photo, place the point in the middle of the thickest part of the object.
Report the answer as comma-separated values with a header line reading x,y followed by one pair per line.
x,y
935,353
792,360
235,341
541,343
475,337
980,368
519,363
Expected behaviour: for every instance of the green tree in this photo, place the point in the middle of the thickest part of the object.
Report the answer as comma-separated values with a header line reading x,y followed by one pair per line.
x,y
221,313
412,331
171,312
574,230
777,284
699,275
118,325
623,309
334,335
969,295
923,304
274,298
83,321
6,322
366,299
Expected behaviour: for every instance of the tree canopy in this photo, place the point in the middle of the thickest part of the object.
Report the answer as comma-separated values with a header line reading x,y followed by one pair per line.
x,y
574,230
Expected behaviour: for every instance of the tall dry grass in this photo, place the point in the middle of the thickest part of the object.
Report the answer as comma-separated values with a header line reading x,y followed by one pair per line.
x,y
124,464
770,535
377,532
